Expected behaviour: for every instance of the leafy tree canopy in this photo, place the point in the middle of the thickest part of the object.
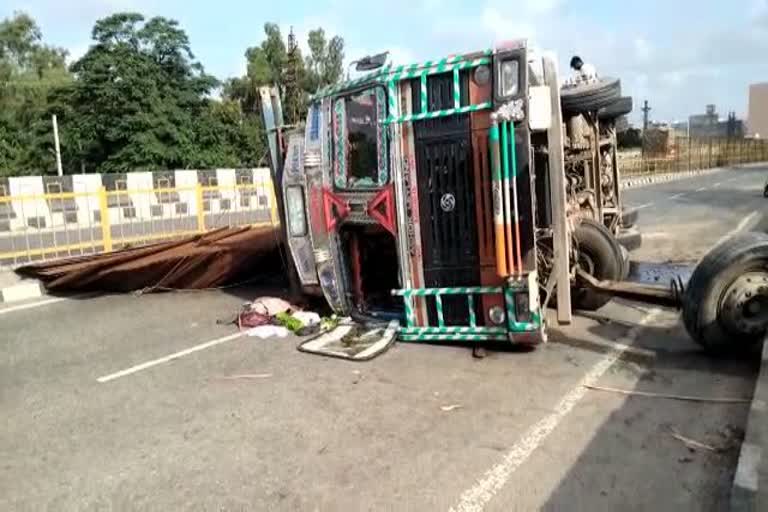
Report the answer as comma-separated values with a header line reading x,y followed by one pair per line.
x,y
29,71
139,100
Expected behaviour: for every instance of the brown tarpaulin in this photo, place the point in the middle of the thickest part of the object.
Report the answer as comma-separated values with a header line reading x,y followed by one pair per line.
x,y
203,261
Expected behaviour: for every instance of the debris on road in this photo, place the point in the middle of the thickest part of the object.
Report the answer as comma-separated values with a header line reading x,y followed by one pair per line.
x,y
268,331
350,340
648,394
307,318
692,444
275,311
288,321
247,376
248,319
271,306
198,262
449,408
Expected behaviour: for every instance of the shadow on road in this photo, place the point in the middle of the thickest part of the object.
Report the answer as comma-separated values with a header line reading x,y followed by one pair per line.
x,y
633,461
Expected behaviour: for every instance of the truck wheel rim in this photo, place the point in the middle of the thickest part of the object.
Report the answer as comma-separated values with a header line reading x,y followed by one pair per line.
x,y
745,304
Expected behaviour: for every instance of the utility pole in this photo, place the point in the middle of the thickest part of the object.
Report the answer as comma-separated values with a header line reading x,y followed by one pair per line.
x,y
646,109
56,142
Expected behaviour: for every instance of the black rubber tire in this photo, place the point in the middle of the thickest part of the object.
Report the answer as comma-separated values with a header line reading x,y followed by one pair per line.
x,y
590,97
711,278
625,263
598,243
618,108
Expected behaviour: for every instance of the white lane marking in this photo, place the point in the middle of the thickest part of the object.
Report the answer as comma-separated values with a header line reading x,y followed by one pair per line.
x,y
170,357
717,184
33,305
700,189
747,221
681,194
478,496
646,205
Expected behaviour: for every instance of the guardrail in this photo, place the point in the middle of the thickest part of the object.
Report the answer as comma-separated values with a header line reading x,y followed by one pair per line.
x,y
62,224
689,154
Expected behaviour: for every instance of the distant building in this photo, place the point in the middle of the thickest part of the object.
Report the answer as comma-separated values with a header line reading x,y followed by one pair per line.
x,y
757,119
709,124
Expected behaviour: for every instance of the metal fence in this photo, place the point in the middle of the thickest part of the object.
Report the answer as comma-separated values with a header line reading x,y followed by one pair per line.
x,y
58,224
690,153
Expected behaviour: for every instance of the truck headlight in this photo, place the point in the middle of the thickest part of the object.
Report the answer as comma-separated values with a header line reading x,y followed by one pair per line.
x,y
497,315
294,206
509,78
522,307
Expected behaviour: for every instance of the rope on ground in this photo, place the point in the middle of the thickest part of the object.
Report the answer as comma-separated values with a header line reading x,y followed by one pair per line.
x,y
670,397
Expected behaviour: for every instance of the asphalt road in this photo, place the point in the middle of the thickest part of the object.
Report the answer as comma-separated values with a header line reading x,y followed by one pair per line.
x,y
317,434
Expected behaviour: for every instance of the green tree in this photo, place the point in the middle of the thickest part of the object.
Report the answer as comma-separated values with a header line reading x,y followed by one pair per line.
x,y
325,61
275,62
29,71
140,101
293,76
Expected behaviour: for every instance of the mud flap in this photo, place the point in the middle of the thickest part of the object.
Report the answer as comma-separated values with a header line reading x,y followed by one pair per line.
x,y
353,340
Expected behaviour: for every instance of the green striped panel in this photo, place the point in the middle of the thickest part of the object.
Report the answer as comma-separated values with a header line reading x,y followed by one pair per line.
x,y
471,307
437,113
456,89
439,307
419,73
405,72
452,330
422,292
453,337
392,93
509,300
423,95
410,317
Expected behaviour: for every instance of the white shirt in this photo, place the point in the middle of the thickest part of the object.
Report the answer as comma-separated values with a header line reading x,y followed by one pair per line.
x,y
587,74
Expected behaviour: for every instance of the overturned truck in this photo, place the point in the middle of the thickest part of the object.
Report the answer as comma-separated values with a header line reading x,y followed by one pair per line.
x,y
461,197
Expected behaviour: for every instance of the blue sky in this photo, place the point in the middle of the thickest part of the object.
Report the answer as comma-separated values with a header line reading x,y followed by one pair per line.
x,y
678,54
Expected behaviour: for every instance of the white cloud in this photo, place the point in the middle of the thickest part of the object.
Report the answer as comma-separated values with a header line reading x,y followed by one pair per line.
x,y
55,11
643,49
431,5
540,6
503,27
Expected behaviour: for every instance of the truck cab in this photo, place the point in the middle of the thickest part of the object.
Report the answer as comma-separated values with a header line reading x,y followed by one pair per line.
x,y
447,194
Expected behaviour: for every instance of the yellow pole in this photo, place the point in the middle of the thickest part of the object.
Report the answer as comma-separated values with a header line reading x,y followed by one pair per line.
x,y
273,203
106,231
200,212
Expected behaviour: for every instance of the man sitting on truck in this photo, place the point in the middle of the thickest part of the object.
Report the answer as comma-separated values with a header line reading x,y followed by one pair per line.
x,y
583,73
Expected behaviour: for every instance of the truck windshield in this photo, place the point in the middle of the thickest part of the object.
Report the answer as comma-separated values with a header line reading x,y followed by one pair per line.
x,y
361,130
360,140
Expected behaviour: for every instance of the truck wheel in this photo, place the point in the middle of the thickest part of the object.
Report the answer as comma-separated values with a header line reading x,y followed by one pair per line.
x,y
618,108
600,256
725,306
590,97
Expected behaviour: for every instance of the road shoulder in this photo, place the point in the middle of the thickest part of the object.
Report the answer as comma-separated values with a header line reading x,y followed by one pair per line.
x,y
747,494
